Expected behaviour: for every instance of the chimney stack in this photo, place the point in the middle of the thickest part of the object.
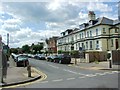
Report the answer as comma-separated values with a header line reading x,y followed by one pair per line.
x,y
91,15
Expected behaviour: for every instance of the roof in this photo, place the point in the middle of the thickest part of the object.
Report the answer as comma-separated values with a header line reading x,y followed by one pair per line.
x,y
98,21
116,22
106,21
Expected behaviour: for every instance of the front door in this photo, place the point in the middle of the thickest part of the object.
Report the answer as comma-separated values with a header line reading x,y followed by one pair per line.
x,y
116,42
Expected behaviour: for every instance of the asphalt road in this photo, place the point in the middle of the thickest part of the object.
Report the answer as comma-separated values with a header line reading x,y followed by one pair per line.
x,y
64,76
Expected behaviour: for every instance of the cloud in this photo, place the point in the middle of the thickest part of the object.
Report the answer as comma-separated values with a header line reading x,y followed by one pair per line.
x,y
94,6
24,21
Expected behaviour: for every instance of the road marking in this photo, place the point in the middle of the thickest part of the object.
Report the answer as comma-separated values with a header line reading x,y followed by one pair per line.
x,y
44,82
70,71
81,74
90,75
116,71
57,80
53,66
100,73
82,77
70,78
43,77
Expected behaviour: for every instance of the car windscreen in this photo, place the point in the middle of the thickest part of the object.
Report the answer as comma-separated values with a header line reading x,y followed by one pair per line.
x,y
21,58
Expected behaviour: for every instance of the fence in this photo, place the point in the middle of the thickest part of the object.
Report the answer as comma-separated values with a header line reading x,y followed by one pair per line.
x,y
96,56
116,57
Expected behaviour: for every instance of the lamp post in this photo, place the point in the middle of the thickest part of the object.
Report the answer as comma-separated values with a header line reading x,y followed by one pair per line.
x,y
1,66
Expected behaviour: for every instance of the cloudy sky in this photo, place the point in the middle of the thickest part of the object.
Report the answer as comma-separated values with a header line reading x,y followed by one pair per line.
x,y
29,22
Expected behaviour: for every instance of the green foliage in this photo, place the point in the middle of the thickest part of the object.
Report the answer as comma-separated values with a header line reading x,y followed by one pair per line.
x,y
14,50
37,48
25,49
63,52
60,51
75,52
96,62
108,55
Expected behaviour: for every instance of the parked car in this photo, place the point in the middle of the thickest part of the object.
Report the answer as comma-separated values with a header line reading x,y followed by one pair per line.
x,y
40,57
14,56
64,58
52,58
22,60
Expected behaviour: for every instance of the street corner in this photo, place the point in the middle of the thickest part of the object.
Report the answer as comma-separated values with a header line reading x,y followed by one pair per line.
x,y
36,76
35,72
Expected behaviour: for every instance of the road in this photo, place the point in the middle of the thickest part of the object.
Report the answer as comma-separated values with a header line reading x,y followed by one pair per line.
x,y
64,76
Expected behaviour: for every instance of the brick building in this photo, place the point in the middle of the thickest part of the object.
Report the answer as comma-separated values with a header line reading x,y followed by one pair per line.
x,y
52,44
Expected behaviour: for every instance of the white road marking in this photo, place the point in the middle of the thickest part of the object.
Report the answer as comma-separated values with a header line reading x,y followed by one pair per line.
x,y
57,80
90,75
70,71
44,82
82,77
106,72
102,74
70,78
116,71
53,66
81,74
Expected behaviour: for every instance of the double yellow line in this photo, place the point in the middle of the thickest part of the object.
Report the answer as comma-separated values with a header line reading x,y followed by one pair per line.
x,y
43,77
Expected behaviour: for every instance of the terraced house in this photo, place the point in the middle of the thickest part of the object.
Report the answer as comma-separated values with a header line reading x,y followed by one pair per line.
x,y
98,34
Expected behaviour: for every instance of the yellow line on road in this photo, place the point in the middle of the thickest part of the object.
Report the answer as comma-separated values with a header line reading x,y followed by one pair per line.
x,y
43,77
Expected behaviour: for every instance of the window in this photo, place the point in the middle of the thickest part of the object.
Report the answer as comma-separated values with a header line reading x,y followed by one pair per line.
x,y
76,46
86,45
87,33
83,46
96,32
82,35
72,39
111,42
104,32
90,33
116,30
76,37
68,39
90,44
97,45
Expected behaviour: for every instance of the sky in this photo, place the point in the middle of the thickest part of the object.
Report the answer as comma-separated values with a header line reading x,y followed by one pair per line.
x,y
29,21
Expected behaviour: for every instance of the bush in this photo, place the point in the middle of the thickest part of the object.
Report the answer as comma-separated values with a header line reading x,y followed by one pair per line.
x,y
108,55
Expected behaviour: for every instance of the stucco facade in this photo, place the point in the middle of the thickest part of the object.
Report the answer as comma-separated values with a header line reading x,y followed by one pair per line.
x,y
104,35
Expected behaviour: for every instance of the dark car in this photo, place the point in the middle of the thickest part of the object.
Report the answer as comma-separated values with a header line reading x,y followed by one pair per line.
x,y
40,57
22,60
64,58
52,58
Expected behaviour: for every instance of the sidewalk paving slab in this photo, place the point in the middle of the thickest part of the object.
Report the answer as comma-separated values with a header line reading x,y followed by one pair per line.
x,y
19,75
104,65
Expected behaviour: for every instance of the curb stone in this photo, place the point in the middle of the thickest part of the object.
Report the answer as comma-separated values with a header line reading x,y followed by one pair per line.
x,y
22,82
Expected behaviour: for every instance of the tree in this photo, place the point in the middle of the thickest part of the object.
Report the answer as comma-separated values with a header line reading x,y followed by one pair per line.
x,y
25,49
14,50
37,48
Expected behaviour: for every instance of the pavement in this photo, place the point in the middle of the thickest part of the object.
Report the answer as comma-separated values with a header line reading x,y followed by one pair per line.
x,y
19,75
104,65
